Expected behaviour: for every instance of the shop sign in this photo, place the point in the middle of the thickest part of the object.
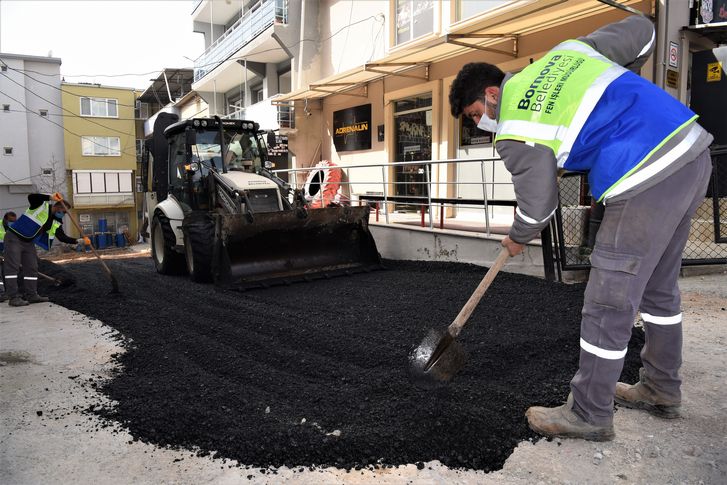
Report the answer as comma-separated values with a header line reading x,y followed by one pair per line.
x,y
672,78
280,149
352,128
708,13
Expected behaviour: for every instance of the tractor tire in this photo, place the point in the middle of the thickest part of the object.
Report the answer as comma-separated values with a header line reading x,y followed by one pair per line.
x,y
199,235
166,259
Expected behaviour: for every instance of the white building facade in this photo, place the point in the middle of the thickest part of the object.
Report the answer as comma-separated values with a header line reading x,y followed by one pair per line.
x,y
31,129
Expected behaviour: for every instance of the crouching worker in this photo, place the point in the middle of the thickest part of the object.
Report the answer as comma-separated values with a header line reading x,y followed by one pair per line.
x,y
41,224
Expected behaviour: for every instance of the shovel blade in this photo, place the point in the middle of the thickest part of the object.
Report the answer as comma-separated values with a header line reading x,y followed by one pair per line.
x,y
427,373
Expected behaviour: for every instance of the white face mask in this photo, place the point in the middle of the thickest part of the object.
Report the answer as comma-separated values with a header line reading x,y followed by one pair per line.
x,y
486,123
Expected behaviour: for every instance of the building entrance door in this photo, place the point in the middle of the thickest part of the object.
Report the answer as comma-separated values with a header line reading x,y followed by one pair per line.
x,y
413,131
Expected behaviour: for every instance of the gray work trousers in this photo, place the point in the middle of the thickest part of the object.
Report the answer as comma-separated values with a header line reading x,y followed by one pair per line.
x,y
20,253
634,267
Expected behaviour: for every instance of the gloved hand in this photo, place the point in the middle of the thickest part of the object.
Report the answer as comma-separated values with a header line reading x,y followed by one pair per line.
x,y
85,241
57,196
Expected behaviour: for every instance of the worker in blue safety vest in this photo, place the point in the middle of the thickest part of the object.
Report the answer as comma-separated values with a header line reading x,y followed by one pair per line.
x,y
40,225
8,217
582,107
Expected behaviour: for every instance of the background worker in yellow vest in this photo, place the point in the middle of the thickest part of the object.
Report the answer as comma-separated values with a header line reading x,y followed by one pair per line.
x,y
582,108
8,217
40,225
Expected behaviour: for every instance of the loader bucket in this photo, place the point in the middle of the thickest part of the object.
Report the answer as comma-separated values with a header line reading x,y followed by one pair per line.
x,y
287,246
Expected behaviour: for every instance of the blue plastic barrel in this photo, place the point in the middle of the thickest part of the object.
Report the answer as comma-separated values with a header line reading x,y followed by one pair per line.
x,y
100,241
120,240
109,239
102,226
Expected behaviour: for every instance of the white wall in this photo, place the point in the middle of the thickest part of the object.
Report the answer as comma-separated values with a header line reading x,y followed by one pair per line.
x,y
37,141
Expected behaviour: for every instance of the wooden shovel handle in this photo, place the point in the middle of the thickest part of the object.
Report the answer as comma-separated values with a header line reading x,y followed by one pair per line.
x,y
80,231
456,326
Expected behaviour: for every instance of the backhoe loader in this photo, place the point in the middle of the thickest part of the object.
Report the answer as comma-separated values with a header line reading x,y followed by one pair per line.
x,y
219,213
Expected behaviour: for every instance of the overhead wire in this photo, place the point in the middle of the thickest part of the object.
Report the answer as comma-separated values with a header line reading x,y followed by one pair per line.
x,y
214,63
25,71
89,119
66,129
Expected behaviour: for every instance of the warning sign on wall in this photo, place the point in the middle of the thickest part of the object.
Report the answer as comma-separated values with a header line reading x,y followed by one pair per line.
x,y
673,54
714,72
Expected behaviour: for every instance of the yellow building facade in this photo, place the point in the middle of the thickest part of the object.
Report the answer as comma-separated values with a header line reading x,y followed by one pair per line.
x,y
101,151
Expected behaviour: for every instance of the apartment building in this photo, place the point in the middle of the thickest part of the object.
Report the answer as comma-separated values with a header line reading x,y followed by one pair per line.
x,y
382,69
31,129
248,60
386,71
101,156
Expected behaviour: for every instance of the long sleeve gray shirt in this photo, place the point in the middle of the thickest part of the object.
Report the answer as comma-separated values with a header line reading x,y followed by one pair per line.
x,y
533,167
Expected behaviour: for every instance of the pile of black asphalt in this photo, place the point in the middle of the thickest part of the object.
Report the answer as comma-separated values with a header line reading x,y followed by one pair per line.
x,y
315,374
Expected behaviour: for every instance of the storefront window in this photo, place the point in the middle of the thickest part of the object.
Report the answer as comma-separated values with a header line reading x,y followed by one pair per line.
x,y
470,8
471,135
413,130
414,18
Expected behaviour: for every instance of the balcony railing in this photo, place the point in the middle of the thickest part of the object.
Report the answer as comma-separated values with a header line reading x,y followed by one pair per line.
x,y
269,116
116,199
261,16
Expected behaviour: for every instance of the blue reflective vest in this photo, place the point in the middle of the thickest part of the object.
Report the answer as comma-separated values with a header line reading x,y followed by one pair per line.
x,y
29,226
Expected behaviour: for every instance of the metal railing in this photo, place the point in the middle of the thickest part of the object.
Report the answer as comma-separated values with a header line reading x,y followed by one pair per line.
x,y
270,116
261,16
575,230
440,207
568,238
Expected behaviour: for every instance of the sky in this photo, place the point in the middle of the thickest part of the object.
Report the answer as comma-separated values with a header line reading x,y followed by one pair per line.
x,y
103,41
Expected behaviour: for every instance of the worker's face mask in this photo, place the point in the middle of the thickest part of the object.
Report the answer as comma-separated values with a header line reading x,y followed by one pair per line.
x,y
58,215
486,123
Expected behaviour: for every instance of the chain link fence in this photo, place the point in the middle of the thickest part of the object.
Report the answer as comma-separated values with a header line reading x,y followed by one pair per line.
x,y
577,221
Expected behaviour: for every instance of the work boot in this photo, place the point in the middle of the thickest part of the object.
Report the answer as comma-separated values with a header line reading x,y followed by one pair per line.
x,y
563,422
4,297
643,396
36,299
17,301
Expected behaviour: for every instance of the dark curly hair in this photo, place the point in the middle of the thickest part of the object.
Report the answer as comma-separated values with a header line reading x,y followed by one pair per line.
x,y
470,84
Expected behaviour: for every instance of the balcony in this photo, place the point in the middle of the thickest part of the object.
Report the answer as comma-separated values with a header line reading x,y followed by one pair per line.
x,y
254,22
119,199
269,116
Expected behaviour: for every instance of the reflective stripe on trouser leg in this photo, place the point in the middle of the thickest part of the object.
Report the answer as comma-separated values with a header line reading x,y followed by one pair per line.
x,y
30,269
661,305
11,265
634,240
608,317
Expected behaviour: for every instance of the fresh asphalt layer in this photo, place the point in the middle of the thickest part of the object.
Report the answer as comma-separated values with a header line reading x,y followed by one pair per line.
x,y
306,376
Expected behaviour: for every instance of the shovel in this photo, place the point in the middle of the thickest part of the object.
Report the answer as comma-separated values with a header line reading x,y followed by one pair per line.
x,y
439,357
114,283
56,282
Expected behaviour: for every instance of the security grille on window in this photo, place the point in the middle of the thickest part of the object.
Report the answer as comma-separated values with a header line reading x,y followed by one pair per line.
x,y
4,68
43,112
99,107
101,146
46,172
8,150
